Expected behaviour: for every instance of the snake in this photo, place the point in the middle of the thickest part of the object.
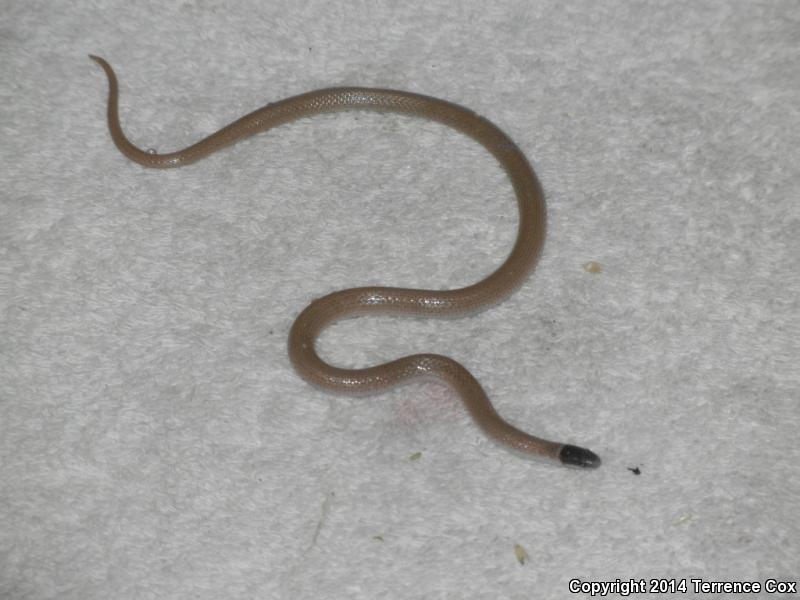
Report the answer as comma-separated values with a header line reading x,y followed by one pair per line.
x,y
375,300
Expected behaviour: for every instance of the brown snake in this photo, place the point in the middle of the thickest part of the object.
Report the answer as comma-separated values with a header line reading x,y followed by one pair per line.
x,y
395,301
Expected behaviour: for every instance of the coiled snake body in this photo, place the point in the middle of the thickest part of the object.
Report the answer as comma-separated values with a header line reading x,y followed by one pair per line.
x,y
385,300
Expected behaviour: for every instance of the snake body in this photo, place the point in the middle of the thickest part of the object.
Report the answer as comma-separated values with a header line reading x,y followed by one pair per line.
x,y
385,300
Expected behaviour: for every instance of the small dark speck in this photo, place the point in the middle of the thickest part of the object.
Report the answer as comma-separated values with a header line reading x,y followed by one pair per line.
x,y
270,332
635,470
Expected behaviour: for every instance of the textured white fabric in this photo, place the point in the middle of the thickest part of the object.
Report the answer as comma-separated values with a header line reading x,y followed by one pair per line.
x,y
154,440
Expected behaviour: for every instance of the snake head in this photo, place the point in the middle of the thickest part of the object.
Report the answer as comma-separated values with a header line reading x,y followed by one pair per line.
x,y
575,456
